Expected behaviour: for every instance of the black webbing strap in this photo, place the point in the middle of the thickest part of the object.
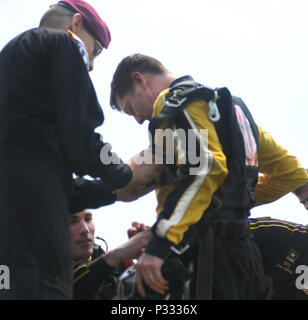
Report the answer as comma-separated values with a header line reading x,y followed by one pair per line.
x,y
179,96
205,266
205,235
221,229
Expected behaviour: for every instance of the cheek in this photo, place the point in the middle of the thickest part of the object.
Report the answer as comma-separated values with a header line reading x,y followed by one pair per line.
x,y
74,233
92,228
138,110
142,108
140,100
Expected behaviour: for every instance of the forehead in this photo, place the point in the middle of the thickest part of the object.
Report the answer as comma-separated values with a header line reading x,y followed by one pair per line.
x,y
82,214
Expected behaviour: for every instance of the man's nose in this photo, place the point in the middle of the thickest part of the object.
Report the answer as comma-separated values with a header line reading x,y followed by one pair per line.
x,y
91,65
84,227
140,120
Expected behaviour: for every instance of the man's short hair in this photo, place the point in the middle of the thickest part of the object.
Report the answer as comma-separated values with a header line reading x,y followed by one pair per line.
x,y
122,79
60,15
56,17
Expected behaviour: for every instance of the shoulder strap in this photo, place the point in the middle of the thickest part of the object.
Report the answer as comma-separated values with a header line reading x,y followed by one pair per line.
x,y
180,94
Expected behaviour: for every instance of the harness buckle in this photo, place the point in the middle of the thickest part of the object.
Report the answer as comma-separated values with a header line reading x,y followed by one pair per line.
x,y
180,251
175,100
214,113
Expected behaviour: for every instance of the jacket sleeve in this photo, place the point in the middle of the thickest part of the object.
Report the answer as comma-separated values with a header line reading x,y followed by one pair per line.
x,y
91,194
90,276
190,195
280,172
78,114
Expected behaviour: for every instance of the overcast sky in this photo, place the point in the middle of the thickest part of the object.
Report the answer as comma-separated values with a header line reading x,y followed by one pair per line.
x,y
256,48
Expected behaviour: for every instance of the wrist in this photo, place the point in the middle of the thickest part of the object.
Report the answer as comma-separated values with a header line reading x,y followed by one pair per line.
x,y
159,247
114,257
111,258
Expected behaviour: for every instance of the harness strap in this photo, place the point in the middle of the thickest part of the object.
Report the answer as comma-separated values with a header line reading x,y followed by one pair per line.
x,y
205,266
238,229
178,98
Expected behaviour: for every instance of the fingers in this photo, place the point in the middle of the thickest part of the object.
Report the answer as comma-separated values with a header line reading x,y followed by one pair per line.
x,y
149,271
154,280
131,232
140,226
139,284
136,228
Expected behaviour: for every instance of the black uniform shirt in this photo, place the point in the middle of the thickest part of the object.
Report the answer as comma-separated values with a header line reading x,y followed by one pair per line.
x,y
284,247
95,278
48,103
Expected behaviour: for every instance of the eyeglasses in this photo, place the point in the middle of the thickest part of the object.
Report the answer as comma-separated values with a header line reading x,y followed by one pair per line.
x,y
98,48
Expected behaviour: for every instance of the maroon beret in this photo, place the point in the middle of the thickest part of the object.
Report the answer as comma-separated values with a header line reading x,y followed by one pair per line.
x,y
97,26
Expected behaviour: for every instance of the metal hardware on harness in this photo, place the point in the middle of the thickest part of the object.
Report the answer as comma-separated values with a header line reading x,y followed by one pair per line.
x,y
214,114
175,100
180,251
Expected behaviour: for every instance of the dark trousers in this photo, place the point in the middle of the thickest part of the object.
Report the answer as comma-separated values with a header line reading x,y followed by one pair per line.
x,y
35,241
237,270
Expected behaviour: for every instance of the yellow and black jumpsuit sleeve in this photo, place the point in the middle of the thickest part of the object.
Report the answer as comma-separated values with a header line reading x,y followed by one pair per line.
x,y
280,172
182,203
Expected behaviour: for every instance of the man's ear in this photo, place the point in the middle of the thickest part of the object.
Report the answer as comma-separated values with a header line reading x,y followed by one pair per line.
x,y
76,23
139,78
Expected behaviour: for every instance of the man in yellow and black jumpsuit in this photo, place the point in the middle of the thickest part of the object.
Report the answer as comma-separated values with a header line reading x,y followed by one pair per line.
x,y
143,87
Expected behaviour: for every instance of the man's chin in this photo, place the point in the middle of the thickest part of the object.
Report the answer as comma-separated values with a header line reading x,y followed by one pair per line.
x,y
83,254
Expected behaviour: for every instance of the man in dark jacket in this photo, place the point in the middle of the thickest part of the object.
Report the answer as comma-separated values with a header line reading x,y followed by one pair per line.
x,y
283,246
48,114
96,270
